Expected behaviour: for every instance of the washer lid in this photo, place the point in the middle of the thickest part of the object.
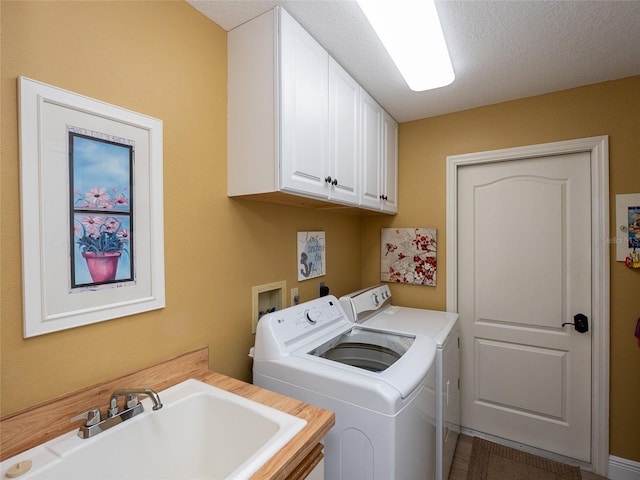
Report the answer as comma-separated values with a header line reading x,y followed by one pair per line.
x,y
434,324
367,349
404,374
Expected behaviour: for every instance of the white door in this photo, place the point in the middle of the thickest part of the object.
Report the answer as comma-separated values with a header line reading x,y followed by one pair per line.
x,y
524,269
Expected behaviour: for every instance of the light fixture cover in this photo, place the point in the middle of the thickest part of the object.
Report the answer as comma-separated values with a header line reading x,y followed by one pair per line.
x,y
410,31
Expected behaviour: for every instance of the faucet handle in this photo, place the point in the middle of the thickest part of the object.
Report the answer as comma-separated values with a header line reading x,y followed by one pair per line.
x,y
92,417
112,411
131,401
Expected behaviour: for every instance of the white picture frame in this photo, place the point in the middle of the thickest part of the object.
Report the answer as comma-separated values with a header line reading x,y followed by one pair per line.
x,y
50,301
627,205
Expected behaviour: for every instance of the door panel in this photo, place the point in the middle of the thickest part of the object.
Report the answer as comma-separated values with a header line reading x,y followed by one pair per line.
x,y
517,231
539,366
524,269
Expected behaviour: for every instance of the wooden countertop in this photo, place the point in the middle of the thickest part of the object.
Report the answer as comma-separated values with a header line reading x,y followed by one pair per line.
x,y
33,426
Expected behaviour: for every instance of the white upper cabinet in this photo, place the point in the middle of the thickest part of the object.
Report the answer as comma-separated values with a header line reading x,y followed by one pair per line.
x,y
389,189
253,115
277,120
304,106
296,123
371,118
344,135
379,189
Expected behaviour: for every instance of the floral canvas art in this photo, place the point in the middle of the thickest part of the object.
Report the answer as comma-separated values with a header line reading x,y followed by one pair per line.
x,y
101,208
408,255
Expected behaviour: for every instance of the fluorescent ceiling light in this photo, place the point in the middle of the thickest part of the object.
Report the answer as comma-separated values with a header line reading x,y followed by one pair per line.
x,y
410,31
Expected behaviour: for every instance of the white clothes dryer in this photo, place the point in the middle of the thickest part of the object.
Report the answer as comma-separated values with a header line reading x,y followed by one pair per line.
x,y
379,383
372,307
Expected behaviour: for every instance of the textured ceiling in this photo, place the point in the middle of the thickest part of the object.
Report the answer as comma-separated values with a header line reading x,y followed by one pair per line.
x,y
500,50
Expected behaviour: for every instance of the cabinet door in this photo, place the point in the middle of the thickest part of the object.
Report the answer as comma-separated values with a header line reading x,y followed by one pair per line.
x,y
304,105
371,127
344,138
389,188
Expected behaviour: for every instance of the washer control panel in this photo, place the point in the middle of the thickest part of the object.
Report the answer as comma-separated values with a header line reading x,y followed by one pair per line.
x,y
364,303
284,331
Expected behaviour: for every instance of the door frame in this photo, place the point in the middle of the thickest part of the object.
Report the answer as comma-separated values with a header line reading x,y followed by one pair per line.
x,y
598,147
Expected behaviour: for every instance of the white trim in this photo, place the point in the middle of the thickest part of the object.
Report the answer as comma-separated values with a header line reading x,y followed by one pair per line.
x,y
623,469
599,150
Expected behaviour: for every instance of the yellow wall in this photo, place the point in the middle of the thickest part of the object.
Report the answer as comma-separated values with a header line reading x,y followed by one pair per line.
x,y
611,108
166,60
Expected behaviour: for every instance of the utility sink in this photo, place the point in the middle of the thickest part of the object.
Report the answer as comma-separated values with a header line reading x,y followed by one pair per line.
x,y
201,432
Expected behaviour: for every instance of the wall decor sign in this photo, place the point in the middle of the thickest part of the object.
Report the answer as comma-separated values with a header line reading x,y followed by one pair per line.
x,y
628,229
92,210
408,255
311,255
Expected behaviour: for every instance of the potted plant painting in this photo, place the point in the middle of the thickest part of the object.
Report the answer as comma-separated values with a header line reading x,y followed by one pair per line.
x,y
101,239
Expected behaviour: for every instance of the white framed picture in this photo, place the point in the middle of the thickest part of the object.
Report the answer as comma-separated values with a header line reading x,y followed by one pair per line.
x,y
627,225
92,210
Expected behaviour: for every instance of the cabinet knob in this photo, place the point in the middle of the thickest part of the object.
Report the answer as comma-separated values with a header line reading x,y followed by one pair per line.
x,y
327,179
384,197
335,181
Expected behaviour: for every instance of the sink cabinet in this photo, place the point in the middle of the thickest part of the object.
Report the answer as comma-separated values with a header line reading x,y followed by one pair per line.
x,y
295,120
311,467
317,473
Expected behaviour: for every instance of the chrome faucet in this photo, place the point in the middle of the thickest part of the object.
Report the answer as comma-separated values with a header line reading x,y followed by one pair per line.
x,y
131,401
95,424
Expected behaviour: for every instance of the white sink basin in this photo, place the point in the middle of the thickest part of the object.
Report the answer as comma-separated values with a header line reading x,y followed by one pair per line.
x,y
201,432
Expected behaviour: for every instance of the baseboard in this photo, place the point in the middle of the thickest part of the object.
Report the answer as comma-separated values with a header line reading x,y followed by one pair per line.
x,y
623,469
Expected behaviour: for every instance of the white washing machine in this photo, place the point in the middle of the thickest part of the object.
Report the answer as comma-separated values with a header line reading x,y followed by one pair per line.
x,y
372,307
379,383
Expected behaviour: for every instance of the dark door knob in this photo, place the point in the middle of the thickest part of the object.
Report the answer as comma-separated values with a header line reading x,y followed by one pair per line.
x,y
580,323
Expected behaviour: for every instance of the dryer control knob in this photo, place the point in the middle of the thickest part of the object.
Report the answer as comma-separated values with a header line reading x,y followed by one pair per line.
x,y
312,316
376,300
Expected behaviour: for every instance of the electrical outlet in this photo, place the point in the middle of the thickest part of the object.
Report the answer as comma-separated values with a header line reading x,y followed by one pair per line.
x,y
295,298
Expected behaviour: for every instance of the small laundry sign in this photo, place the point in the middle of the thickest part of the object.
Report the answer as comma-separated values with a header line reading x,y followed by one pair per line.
x,y
311,255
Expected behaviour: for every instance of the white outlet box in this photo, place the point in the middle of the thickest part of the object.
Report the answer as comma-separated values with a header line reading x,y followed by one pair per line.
x,y
294,294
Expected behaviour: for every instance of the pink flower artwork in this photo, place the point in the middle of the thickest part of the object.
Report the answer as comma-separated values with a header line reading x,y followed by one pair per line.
x,y
408,255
